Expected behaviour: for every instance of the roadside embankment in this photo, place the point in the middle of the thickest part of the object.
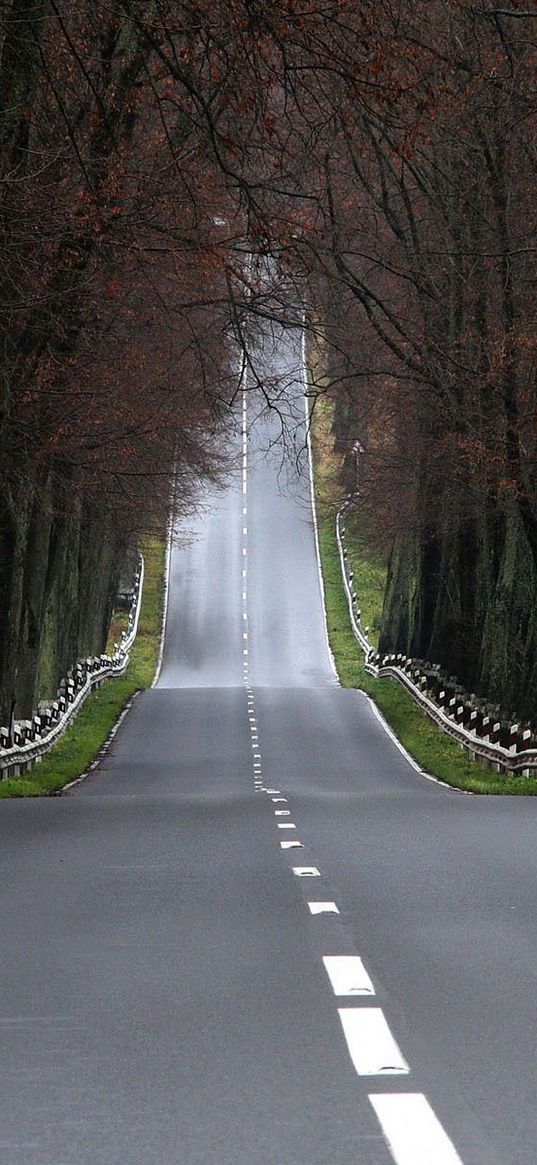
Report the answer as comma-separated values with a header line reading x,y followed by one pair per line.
x,y
435,752
83,741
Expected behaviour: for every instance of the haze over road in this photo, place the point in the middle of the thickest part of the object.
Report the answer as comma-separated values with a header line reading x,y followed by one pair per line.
x,y
172,992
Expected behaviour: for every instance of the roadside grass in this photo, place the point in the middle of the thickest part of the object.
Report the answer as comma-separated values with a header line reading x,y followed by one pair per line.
x,y
81,743
436,752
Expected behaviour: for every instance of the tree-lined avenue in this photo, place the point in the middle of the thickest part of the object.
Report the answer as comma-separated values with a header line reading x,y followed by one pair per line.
x,y
164,999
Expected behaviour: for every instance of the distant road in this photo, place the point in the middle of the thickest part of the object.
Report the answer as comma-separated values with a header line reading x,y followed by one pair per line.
x,y
172,991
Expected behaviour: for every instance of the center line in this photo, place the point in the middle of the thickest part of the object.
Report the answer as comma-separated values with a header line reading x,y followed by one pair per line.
x,y
371,1045
348,975
413,1132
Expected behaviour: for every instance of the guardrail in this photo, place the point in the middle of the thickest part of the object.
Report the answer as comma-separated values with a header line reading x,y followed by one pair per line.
x,y
507,748
28,740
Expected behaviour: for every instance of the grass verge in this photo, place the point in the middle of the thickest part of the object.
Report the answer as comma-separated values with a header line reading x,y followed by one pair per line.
x,y
79,746
436,752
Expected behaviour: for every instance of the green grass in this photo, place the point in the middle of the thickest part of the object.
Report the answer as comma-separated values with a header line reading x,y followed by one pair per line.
x,y
79,746
436,752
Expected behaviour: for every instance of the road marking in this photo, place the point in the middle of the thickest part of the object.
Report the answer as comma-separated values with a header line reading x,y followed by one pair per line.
x,y
282,812
413,1132
331,659
291,845
323,908
244,551
348,975
273,790
393,737
277,799
305,871
286,825
371,1045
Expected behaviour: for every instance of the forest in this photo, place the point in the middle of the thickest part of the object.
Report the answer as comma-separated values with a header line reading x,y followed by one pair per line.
x,y
384,154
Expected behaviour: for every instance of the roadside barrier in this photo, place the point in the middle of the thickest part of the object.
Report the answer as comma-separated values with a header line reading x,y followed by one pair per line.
x,y
26,741
504,747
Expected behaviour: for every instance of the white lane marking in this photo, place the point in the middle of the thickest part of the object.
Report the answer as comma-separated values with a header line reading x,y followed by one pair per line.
x,y
244,510
413,1132
244,595
394,739
313,507
305,871
371,1045
323,908
257,756
245,635
276,800
167,572
282,812
244,615
291,845
286,825
244,574
273,790
245,651
348,975
244,551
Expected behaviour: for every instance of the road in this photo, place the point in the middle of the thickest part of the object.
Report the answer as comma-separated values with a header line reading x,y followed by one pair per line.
x,y
172,991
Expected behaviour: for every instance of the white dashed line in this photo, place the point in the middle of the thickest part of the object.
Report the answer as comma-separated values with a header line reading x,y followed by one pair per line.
x,y
291,845
286,825
348,975
305,871
282,812
323,908
371,1045
413,1132
277,800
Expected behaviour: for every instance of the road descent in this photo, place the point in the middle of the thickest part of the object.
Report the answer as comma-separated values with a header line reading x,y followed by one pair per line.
x,y
255,935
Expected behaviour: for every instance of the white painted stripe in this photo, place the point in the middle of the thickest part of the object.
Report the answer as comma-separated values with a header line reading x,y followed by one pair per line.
x,y
272,790
306,871
291,845
244,595
244,510
348,975
413,1132
282,812
245,635
393,737
323,908
276,800
244,550
286,825
371,1045
331,659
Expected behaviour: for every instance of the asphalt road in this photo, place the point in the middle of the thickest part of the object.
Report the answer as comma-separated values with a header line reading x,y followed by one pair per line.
x,y
164,997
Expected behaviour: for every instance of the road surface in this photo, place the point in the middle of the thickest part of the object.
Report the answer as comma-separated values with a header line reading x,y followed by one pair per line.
x,y
173,991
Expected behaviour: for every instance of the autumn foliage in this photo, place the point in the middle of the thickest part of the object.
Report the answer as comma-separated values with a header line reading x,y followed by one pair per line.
x,y
383,155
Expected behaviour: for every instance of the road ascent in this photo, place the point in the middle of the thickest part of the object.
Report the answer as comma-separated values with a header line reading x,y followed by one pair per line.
x,y
255,934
